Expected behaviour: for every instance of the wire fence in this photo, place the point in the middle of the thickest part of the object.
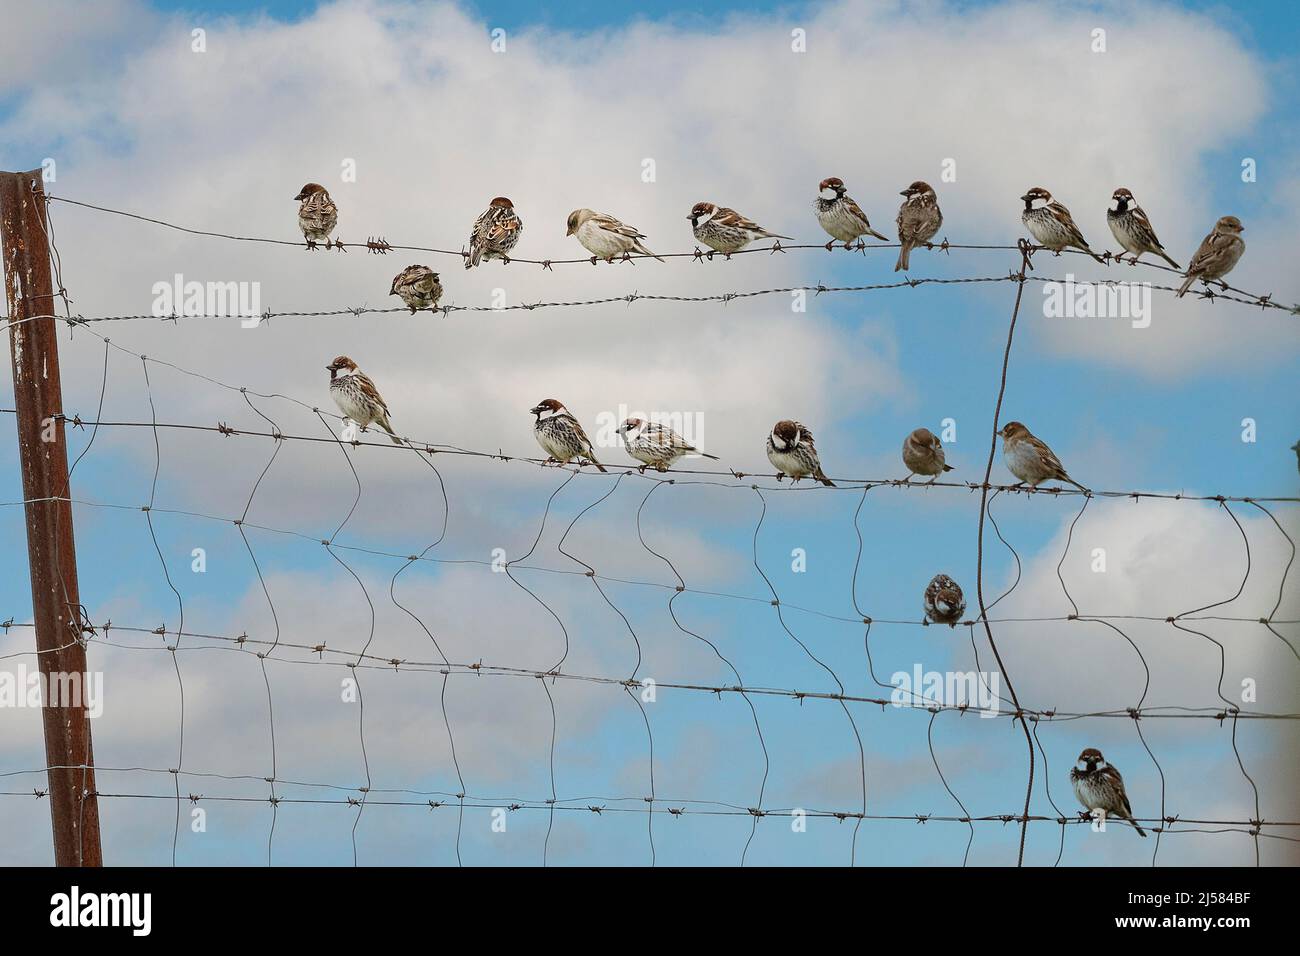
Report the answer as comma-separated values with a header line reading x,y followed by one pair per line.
x,y
530,570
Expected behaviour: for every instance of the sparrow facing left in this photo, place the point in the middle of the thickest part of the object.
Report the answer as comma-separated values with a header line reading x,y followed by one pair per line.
x,y
495,232
418,286
1051,224
317,214
725,230
357,398
560,434
791,451
840,216
604,236
1133,230
1029,458
918,220
1098,786
923,454
656,446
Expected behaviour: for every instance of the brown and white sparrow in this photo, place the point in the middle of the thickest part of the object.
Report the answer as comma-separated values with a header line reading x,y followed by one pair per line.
x,y
944,602
495,232
317,214
725,230
791,451
1029,458
1218,253
356,396
1099,786
560,435
918,220
839,215
419,288
656,446
1051,224
1132,229
923,454
604,236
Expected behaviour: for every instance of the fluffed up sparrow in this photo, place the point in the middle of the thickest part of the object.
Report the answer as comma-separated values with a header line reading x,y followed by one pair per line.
x,y
604,236
418,287
495,232
839,215
317,214
1051,224
560,435
1099,786
944,602
791,451
1029,458
918,220
1218,253
656,446
357,398
1132,229
923,454
725,230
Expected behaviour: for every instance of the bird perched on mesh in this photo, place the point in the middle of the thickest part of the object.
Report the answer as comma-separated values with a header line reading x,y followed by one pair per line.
x,y
725,230
560,435
1133,230
656,446
1029,458
791,451
1051,224
1098,786
923,454
1217,255
604,236
918,220
943,601
839,215
357,398
418,286
495,232
317,214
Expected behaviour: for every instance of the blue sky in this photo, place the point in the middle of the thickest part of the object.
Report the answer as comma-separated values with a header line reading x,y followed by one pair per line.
x,y
1161,412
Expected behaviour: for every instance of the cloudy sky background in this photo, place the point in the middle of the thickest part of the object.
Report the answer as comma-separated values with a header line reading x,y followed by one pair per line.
x,y
437,124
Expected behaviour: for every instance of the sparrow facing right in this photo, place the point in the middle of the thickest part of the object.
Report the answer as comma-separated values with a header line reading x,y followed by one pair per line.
x,y
923,454
1133,230
1218,253
357,398
317,214
840,216
418,287
560,434
791,451
918,220
1029,458
1051,224
725,230
495,232
604,236
1098,786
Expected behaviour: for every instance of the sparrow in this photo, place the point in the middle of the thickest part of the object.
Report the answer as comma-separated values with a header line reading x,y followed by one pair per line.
x,y
1051,224
923,454
1218,253
1099,786
1029,459
560,435
357,398
1132,229
725,230
604,236
791,450
656,446
419,288
317,214
840,216
495,232
944,603
919,219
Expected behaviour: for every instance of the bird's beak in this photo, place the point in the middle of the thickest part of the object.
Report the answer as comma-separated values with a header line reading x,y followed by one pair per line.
x,y
300,196
1026,197
568,232
904,193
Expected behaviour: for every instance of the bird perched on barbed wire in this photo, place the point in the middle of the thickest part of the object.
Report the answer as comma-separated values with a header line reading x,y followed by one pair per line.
x,y
605,237
923,454
840,216
1029,458
944,603
560,434
495,232
918,221
1217,255
656,446
317,214
418,286
357,398
791,450
1133,230
1051,224
725,230
1098,786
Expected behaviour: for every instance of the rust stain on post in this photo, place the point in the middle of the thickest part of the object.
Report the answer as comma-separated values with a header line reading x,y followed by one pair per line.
x,y
56,601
